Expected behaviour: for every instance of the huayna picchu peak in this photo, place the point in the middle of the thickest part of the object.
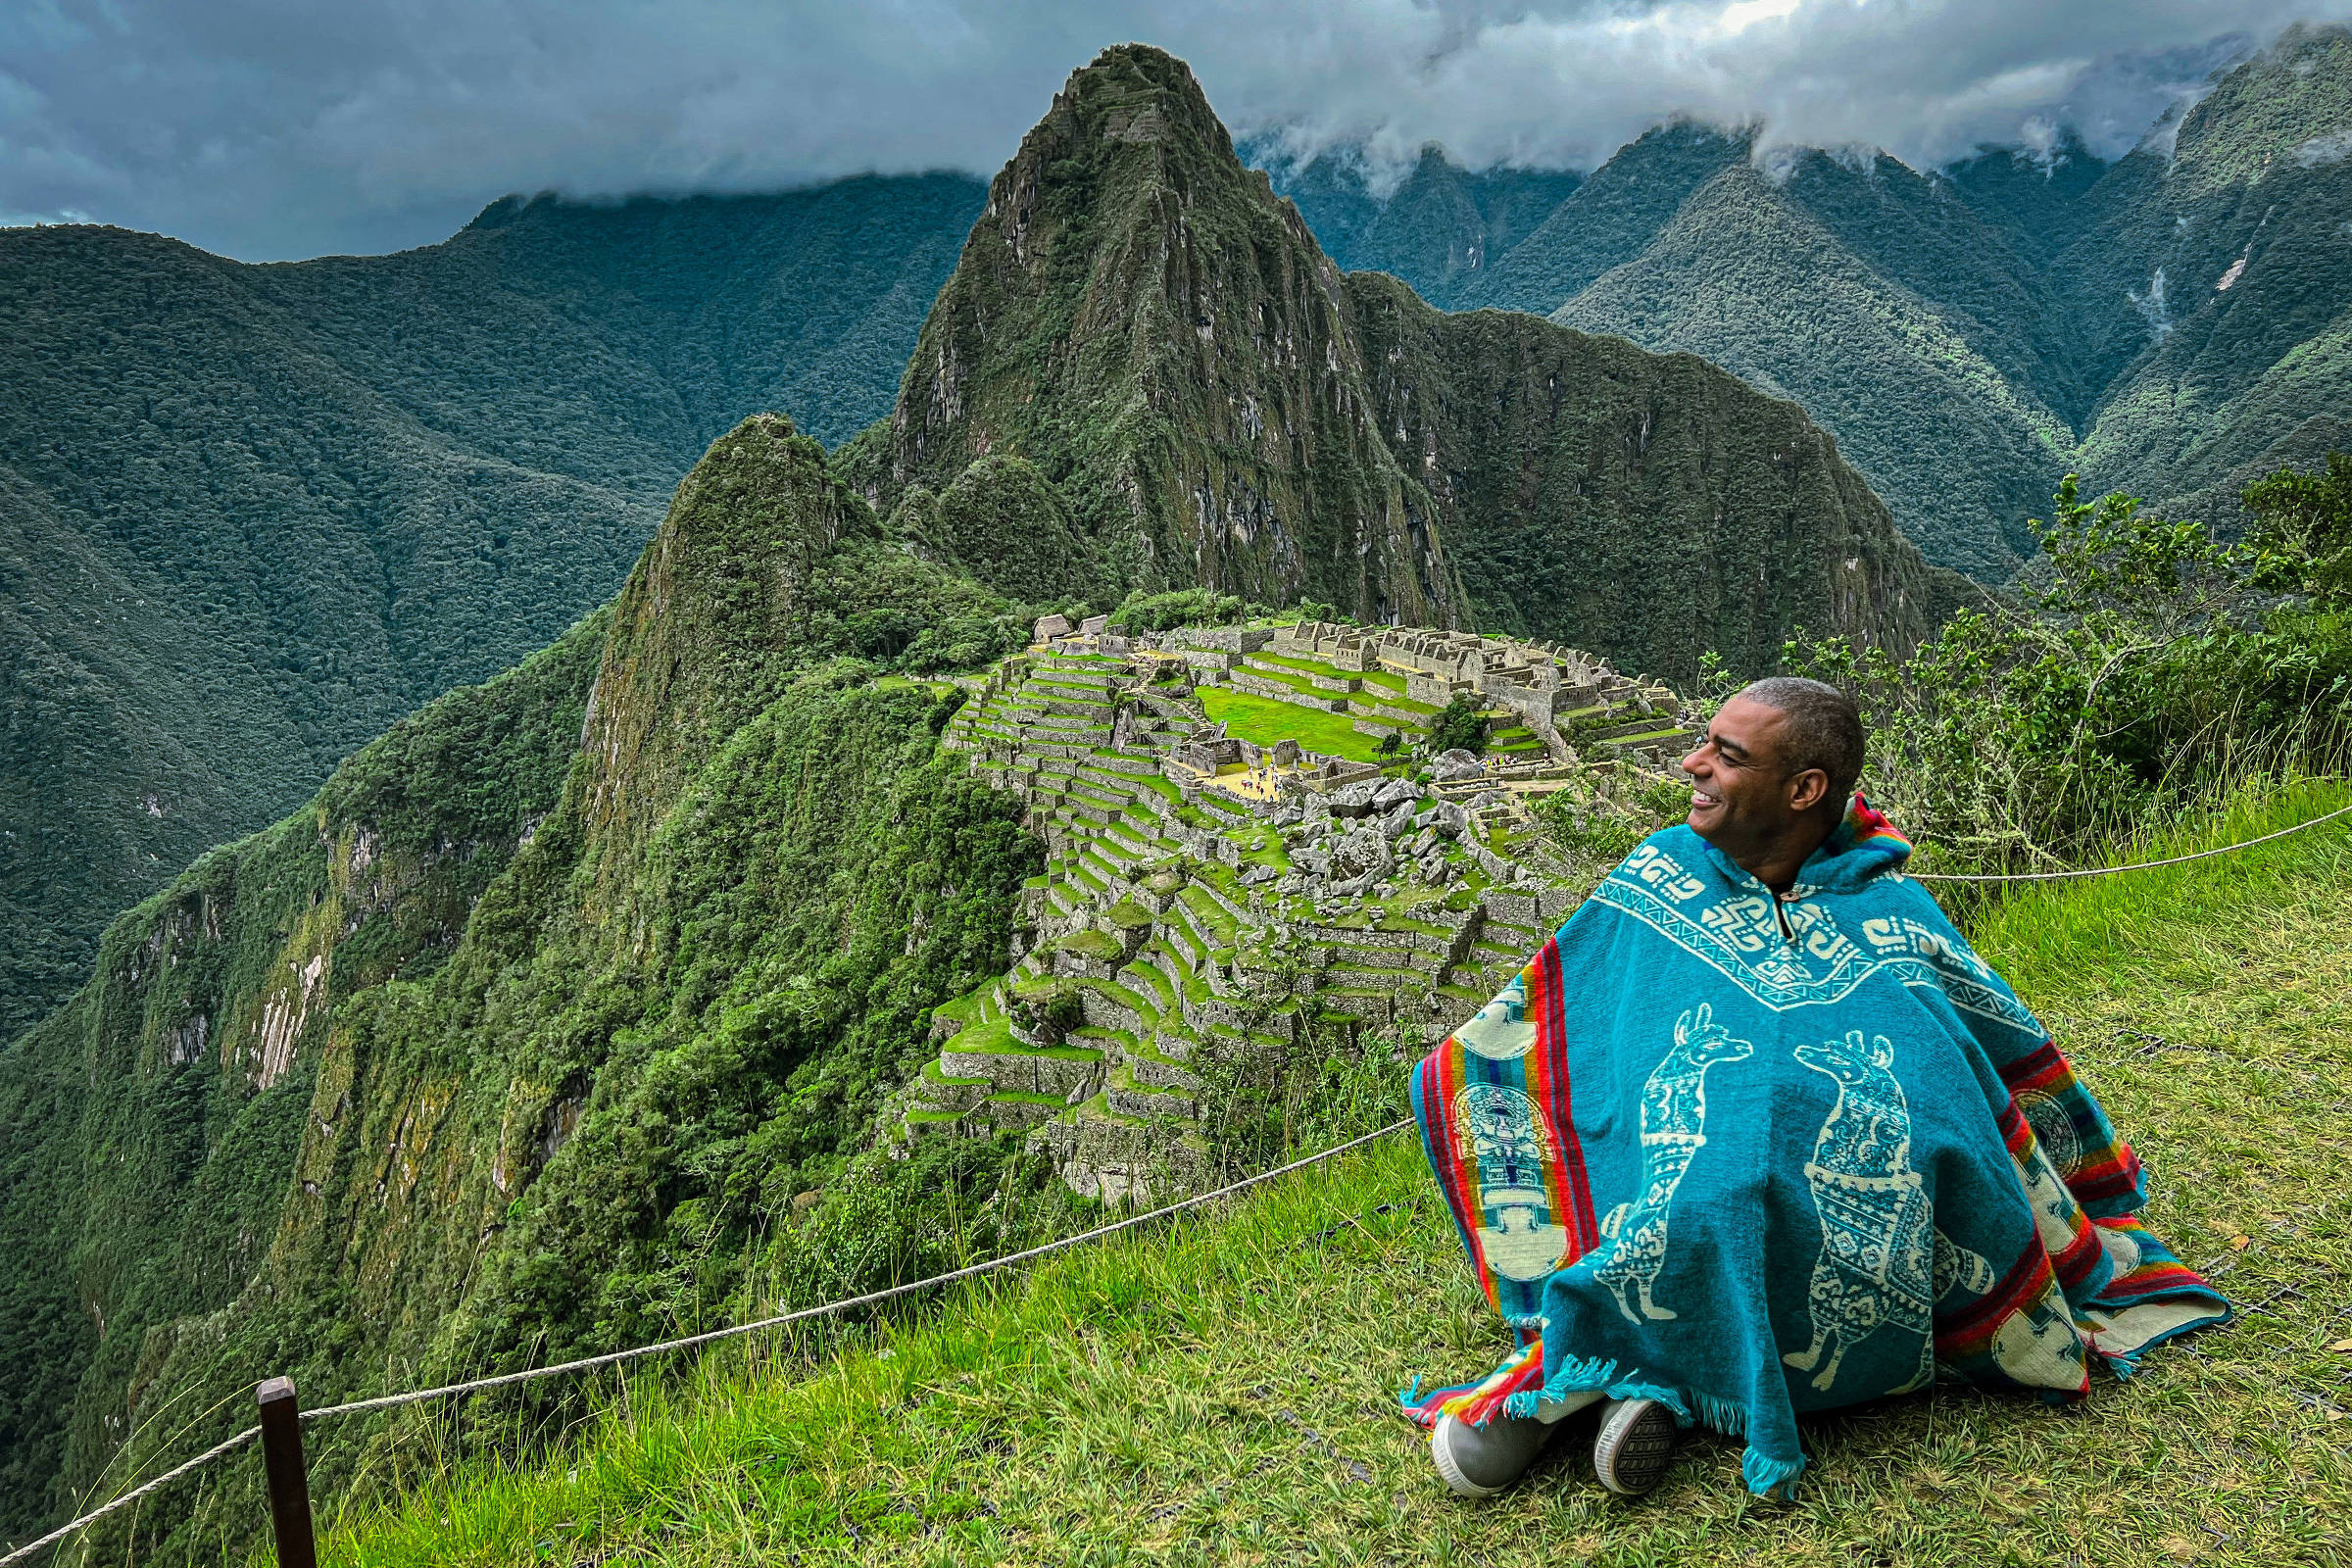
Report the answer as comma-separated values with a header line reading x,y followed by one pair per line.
x,y
1137,316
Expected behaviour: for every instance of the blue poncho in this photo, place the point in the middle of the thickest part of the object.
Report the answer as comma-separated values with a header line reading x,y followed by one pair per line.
x,y
1755,1161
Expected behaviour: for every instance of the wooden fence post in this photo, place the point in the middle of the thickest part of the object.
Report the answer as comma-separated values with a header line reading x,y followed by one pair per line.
x,y
289,1478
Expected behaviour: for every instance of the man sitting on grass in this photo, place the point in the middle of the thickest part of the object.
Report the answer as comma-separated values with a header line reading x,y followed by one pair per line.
x,y
1756,1133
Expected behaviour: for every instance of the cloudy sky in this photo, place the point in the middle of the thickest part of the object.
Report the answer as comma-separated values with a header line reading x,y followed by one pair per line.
x,y
273,128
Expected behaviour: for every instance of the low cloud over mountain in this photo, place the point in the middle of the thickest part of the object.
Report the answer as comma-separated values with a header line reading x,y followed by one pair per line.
x,y
264,131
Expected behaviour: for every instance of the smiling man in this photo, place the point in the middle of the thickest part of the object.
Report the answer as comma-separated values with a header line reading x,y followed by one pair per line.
x,y
1771,778
1756,1134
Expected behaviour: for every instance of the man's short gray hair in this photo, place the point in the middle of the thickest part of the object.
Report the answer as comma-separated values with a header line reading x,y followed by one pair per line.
x,y
1824,728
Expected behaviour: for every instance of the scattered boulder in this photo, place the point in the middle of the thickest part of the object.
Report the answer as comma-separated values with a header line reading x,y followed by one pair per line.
x,y
1360,853
1457,763
1351,800
1394,793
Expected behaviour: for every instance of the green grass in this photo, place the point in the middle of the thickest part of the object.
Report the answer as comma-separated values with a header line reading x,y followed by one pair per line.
x,y
1097,945
1305,667
1263,722
1363,702
1223,1391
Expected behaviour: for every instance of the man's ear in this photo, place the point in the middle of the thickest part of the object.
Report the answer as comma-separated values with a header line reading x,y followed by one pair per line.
x,y
1808,789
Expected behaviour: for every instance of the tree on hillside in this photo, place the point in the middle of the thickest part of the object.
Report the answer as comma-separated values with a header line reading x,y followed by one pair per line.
x,y
2150,665
1460,724
2301,532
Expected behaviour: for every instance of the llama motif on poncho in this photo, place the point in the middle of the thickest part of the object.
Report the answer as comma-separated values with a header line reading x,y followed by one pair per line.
x,y
1877,1268
1674,1120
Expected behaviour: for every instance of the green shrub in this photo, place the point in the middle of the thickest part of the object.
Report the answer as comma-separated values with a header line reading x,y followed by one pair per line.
x,y
1624,806
2301,538
1461,724
1099,944
2145,666
1183,607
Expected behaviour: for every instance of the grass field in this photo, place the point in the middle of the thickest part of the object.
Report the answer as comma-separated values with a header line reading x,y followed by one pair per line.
x,y
1223,1391
1263,722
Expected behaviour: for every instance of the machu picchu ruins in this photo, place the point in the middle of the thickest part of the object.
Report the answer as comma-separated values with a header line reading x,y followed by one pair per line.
x,y
1246,842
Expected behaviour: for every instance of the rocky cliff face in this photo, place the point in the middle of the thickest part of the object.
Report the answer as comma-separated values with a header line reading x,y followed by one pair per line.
x,y
1650,507
1137,316
1141,318
203,1113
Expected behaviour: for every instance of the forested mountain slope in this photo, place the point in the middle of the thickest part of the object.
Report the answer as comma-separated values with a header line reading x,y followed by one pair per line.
x,y
2171,324
250,516
524,1032
2233,264
1212,402
1812,284
1442,227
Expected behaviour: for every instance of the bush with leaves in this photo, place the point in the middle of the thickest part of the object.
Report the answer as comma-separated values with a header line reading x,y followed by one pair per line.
x,y
1460,725
1599,820
2301,532
2142,664
1183,607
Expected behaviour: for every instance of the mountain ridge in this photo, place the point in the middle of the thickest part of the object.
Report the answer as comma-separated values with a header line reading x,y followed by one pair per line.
x,y
2031,312
325,492
1140,319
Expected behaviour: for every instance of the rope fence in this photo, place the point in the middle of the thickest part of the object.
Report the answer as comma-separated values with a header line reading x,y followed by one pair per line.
x,y
686,1341
892,1292
2111,870
217,1451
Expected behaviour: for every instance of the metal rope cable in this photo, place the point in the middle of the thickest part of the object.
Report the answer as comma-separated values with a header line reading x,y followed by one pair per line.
x,y
133,1495
870,1299
2110,870
584,1363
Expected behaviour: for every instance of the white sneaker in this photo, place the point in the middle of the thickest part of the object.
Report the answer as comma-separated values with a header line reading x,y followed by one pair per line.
x,y
1635,1447
1480,1461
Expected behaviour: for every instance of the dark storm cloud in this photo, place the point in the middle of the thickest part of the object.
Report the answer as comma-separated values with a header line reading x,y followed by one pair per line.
x,y
287,128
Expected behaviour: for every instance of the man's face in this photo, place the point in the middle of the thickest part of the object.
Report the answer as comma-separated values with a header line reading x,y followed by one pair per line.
x,y
1741,796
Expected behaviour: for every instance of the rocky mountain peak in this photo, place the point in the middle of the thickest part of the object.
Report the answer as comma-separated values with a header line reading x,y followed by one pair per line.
x,y
1141,320
1139,317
